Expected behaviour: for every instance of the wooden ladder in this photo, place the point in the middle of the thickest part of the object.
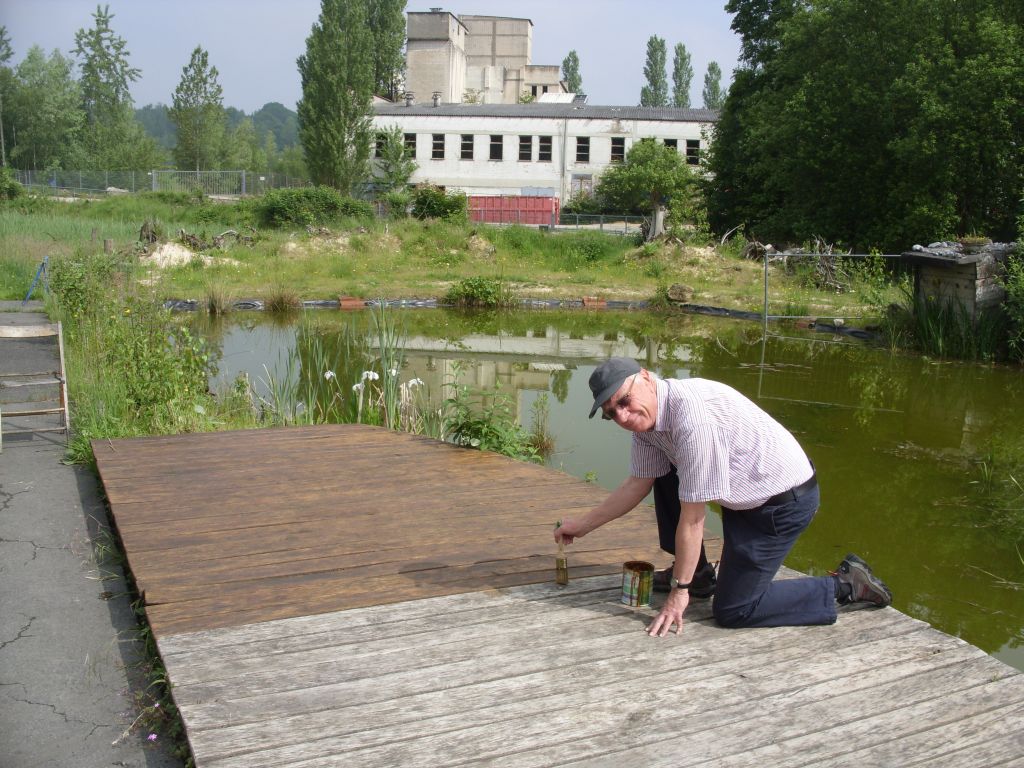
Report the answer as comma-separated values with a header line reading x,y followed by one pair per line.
x,y
39,378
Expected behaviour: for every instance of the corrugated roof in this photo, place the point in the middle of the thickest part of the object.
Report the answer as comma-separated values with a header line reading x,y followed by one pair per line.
x,y
558,111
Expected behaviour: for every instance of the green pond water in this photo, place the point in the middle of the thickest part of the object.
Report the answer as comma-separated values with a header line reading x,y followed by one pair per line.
x,y
918,459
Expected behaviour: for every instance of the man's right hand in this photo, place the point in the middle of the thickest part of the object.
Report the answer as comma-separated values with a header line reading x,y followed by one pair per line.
x,y
570,528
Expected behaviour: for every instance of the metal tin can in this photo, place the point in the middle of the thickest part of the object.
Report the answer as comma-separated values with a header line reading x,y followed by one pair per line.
x,y
637,583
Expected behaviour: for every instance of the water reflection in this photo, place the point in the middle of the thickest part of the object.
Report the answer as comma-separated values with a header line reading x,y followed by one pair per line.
x,y
898,441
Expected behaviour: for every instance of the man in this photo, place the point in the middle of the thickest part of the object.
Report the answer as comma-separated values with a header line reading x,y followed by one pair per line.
x,y
697,441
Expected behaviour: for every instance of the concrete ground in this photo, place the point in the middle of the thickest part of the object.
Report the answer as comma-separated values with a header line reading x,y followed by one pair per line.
x,y
72,673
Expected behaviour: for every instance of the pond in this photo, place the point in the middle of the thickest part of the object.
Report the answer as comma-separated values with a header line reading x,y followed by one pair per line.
x,y
915,456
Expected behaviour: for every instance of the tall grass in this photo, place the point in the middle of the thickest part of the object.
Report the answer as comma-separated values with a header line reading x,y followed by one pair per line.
x,y
943,327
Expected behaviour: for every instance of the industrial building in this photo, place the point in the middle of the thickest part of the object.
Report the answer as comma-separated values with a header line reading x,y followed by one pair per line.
x,y
465,125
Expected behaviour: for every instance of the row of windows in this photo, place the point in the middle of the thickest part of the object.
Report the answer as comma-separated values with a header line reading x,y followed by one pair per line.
x,y
496,147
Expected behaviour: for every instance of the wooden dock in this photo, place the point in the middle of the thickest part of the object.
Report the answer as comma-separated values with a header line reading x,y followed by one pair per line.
x,y
348,596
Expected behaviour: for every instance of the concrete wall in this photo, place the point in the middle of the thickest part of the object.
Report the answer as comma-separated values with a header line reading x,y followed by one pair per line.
x,y
498,41
436,57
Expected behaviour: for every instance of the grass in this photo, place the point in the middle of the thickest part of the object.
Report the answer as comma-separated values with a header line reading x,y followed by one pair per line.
x,y
393,259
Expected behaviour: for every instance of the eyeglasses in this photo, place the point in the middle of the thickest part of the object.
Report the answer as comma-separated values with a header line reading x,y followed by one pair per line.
x,y
609,413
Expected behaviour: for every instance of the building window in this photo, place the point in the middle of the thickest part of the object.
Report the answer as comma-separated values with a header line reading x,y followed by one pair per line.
x,y
672,143
618,149
544,149
526,148
497,147
582,149
378,145
410,144
581,184
467,146
693,151
437,146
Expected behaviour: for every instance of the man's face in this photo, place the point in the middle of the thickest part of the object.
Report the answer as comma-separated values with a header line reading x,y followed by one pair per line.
x,y
634,406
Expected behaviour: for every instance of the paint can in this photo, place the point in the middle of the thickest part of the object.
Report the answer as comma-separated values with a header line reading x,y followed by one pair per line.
x,y
637,583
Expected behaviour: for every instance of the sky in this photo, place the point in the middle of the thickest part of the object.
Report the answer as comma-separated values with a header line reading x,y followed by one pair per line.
x,y
254,43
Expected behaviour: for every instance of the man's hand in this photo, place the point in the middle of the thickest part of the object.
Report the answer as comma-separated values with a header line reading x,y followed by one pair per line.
x,y
671,613
568,529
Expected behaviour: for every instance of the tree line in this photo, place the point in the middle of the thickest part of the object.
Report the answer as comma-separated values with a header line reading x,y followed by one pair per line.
x,y
873,123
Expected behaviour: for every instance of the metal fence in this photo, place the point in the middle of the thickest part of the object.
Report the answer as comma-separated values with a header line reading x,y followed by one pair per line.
x,y
605,222
217,183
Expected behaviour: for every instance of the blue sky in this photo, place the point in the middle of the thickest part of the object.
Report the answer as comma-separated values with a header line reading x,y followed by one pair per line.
x,y
254,43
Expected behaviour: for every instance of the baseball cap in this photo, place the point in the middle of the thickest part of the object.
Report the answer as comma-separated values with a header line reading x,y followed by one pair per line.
x,y
608,377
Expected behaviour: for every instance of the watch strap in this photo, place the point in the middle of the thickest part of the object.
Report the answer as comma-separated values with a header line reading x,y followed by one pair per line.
x,y
674,583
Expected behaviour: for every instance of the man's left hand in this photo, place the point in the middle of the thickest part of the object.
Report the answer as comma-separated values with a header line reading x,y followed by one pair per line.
x,y
671,613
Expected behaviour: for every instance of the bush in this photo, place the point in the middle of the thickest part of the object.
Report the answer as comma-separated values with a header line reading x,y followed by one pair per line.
x,y
397,203
1014,283
584,203
308,206
9,187
434,203
486,292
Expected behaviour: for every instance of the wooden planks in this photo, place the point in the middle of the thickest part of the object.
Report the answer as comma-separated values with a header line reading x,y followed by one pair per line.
x,y
239,527
348,596
542,676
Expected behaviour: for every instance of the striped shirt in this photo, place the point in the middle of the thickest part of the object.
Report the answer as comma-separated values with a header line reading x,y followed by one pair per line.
x,y
724,447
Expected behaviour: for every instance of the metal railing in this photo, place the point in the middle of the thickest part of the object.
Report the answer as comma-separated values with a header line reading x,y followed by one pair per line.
x,y
604,222
226,183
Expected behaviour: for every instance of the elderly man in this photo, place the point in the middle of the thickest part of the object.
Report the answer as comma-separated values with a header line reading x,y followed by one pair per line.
x,y
697,441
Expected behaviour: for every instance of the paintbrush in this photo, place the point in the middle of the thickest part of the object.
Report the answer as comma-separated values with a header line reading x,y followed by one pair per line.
x,y
561,562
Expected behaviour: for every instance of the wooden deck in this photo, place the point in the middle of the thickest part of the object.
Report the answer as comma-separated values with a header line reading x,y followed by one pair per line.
x,y
347,596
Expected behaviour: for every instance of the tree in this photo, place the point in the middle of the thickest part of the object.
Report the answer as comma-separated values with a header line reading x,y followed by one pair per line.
x,y
712,94
794,156
655,93
337,91
387,22
571,73
394,167
682,76
46,113
197,112
113,139
6,87
651,176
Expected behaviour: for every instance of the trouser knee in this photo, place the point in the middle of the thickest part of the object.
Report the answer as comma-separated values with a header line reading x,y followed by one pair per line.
x,y
732,617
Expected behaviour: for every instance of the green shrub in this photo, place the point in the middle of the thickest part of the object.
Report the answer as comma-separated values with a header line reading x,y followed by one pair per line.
x,y
308,206
1014,283
434,203
487,292
397,203
584,203
9,187
585,248
484,419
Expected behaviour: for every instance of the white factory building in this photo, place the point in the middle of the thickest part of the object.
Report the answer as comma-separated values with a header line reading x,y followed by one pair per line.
x,y
534,149
464,125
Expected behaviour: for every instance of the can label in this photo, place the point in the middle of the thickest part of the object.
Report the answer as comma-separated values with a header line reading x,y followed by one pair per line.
x,y
637,583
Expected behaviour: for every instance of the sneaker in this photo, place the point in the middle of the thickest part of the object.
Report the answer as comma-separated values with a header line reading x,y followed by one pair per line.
x,y
865,587
702,586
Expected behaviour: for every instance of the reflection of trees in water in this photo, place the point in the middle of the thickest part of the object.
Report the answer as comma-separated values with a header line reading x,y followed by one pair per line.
x,y
560,384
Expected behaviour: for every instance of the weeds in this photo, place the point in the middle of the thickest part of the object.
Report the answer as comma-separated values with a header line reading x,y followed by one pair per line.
x,y
480,292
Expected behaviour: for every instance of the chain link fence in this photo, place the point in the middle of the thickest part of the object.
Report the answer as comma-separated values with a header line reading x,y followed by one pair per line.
x,y
213,183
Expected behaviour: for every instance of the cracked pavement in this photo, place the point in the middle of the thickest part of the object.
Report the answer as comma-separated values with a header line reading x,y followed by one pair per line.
x,y
69,646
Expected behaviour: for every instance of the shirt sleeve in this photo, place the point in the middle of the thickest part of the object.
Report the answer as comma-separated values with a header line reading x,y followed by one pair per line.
x,y
646,460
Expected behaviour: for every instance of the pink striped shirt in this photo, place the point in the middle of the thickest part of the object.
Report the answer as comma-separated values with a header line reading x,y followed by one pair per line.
x,y
724,447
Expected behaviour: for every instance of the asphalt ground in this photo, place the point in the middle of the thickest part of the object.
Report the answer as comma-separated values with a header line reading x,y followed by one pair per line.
x,y
72,666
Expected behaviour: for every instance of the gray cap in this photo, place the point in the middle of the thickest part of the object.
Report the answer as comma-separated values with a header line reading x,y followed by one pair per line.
x,y
608,377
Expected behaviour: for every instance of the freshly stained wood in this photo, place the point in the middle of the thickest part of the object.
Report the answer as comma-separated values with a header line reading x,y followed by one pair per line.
x,y
348,596
239,527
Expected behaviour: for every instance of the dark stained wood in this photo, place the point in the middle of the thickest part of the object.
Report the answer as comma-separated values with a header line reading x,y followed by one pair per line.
x,y
229,528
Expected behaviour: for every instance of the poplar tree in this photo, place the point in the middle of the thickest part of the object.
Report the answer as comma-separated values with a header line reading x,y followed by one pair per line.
x,y
197,112
46,112
712,94
337,92
6,87
571,72
682,76
655,93
113,138
387,22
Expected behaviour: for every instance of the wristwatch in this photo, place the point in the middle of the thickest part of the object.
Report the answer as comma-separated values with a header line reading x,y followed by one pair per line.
x,y
674,583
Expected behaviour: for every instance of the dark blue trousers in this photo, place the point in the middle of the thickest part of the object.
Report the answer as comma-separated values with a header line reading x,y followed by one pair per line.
x,y
756,544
